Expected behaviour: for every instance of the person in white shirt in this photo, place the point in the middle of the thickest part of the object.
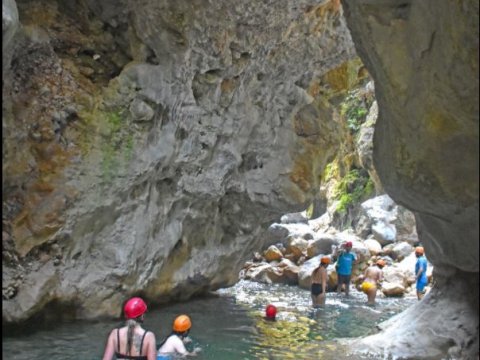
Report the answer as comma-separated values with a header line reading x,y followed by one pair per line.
x,y
175,342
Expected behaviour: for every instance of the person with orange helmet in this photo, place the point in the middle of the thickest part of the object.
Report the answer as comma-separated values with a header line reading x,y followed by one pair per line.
x,y
175,342
318,280
131,341
420,272
371,279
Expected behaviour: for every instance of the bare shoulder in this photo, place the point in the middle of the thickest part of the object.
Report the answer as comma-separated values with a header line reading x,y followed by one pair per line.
x,y
150,335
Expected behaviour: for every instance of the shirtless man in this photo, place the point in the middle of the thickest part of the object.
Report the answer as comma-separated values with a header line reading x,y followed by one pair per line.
x,y
319,282
372,276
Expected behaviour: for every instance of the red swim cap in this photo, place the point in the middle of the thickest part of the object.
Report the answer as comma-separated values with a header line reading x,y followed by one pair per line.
x,y
348,244
271,311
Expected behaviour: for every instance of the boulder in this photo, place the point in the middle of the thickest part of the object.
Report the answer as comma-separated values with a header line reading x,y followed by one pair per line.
x,y
272,253
401,250
395,275
393,289
295,218
306,269
373,246
321,244
321,224
296,246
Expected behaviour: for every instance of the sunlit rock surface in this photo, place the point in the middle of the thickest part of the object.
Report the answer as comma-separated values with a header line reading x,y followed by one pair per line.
x,y
423,56
157,142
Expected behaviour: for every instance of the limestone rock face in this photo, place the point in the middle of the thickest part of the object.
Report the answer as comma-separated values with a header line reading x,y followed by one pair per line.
x,y
423,56
195,125
10,25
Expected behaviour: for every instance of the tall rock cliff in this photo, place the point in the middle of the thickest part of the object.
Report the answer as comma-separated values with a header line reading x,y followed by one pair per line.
x,y
149,144
423,56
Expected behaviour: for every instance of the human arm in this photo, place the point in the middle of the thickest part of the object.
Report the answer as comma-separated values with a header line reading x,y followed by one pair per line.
x,y
337,251
179,345
364,275
380,278
175,344
324,279
110,347
151,346
355,258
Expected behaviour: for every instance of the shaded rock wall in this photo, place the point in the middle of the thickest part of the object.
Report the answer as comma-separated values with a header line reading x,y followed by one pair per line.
x,y
423,56
167,135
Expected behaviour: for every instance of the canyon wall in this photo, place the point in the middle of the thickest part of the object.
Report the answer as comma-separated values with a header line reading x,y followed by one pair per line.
x,y
423,56
149,144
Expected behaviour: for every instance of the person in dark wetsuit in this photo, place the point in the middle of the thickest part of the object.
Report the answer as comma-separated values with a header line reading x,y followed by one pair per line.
x,y
131,342
319,282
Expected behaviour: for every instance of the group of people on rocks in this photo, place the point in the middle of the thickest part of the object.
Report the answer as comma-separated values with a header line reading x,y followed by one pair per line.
x,y
135,343
371,278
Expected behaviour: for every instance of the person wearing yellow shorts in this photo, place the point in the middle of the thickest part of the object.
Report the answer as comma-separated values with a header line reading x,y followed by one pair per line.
x,y
372,276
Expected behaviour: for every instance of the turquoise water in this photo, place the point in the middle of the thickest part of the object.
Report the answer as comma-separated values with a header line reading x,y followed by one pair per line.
x,y
228,325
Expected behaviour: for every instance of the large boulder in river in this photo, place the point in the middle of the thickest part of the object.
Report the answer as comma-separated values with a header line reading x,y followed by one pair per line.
x,y
387,221
395,275
299,217
322,223
272,253
373,246
392,289
321,244
284,233
304,276
297,247
401,250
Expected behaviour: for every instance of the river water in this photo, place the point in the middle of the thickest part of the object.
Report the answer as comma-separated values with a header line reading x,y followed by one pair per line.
x,y
228,325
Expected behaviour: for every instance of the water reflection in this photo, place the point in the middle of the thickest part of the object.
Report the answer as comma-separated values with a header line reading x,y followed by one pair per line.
x,y
229,326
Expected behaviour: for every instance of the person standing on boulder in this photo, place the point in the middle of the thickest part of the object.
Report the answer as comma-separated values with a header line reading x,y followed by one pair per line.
x,y
319,282
131,341
344,266
420,272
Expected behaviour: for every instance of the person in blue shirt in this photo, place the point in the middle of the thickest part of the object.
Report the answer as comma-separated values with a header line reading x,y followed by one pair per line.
x,y
420,272
344,265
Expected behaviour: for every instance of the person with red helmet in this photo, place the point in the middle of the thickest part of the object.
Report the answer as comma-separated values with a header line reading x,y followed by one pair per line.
x,y
131,341
345,262
175,342
319,282
270,312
